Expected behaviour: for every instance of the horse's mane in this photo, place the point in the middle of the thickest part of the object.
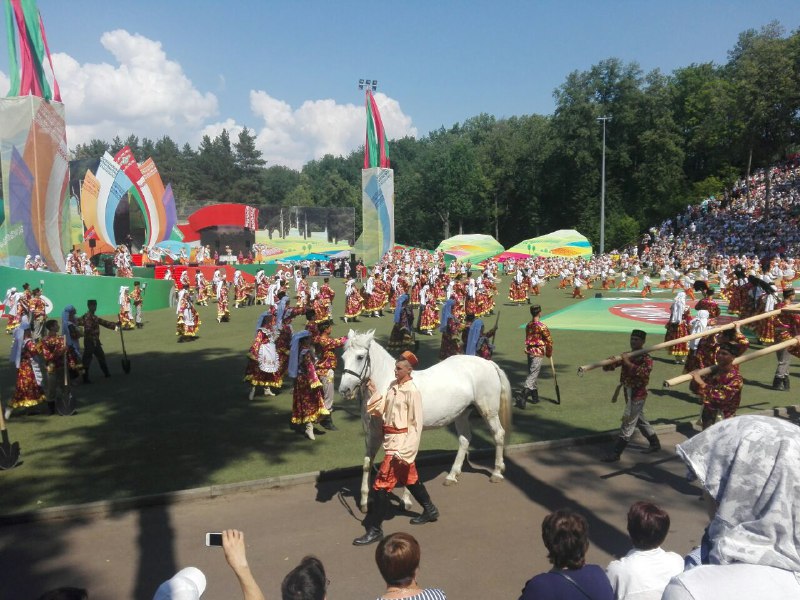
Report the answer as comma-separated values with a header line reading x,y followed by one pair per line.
x,y
359,339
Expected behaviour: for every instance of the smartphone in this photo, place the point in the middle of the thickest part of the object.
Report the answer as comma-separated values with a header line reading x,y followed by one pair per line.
x,y
213,539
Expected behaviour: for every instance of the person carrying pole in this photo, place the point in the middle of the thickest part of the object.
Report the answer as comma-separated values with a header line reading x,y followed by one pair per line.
x,y
633,380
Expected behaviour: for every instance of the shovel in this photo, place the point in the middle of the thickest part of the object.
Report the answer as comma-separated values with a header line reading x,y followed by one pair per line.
x,y
65,403
9,453
126,363
555,379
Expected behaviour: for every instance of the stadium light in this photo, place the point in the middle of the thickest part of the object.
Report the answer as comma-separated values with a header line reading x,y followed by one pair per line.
x,y
368,84
603,189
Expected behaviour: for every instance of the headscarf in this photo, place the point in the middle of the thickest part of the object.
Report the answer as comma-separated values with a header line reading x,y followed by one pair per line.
x,y
398,311
474,337
294,354
122,290
19,341
751,466
348,288
698,325
772,299
10,298
678,307
447,309
261,320
281,310
314,291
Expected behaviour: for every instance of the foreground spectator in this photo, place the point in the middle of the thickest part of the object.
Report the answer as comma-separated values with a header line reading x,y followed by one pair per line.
x,y
397,557
190,583
186,584
234,548
644,572
307,581
749,468
566,537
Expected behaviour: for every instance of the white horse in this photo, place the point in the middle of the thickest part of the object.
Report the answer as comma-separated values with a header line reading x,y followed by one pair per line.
x,y
448,390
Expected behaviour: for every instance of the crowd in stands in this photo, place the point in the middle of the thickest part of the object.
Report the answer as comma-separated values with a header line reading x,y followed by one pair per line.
x,y
759,215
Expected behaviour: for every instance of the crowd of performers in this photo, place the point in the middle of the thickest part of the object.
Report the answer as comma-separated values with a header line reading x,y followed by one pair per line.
x,y
47,354
423,294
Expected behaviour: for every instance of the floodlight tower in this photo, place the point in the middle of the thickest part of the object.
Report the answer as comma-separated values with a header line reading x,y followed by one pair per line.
x,y
603,189
368,84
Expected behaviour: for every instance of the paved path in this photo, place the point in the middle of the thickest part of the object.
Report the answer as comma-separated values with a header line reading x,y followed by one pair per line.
x,y
486,544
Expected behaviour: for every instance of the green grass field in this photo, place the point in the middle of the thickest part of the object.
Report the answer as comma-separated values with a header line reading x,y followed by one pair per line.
x,y
181,419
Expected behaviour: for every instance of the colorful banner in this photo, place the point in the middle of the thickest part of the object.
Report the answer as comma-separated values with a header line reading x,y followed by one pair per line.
x,y
564,243
473,247
147,202
153,182
377,202
33,152
376,150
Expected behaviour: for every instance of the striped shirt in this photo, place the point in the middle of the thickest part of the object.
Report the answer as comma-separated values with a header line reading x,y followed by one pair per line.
x,y
427,594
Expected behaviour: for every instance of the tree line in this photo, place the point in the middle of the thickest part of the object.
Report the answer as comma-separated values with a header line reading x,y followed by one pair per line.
x,y
672,139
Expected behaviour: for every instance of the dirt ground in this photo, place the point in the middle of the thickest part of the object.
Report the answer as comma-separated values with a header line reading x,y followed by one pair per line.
x,y
486,544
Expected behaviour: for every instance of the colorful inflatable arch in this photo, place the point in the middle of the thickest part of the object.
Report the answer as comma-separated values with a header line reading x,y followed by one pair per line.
x,y
102,192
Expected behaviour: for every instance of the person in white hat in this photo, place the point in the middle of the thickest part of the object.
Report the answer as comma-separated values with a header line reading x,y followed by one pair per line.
x,y
186,584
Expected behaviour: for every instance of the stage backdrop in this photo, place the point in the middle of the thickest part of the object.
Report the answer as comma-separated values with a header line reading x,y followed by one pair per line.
x,y
377,196
33,152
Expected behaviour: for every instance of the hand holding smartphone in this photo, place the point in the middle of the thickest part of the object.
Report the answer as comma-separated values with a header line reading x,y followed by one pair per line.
x,y
213,539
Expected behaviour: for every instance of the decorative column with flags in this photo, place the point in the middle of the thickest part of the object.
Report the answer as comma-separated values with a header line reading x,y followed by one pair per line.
x,y
377,188
33,147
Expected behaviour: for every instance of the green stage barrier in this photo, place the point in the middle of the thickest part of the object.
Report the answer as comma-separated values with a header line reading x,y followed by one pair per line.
x,y
62,289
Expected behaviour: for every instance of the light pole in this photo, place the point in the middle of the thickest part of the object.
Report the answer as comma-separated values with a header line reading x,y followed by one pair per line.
x,y
603,190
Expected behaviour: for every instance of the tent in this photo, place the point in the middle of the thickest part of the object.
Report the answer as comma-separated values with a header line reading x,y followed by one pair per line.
x,y
564,243
473,247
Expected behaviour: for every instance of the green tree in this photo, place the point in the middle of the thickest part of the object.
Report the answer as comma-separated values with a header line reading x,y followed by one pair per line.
x,y
764,68
94,149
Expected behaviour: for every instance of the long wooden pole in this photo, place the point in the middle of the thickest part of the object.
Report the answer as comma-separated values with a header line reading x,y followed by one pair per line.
x,y
660,346
736,361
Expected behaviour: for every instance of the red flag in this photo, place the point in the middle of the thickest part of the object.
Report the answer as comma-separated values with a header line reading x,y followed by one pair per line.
x,y
91,234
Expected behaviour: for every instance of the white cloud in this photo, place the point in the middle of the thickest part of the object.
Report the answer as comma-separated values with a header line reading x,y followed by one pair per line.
x,y
292,137
144,93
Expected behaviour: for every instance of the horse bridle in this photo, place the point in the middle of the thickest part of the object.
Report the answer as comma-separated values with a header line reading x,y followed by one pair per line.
x,y
363,376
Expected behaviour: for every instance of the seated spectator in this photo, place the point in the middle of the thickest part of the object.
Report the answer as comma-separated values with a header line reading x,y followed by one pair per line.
x,y
644,572
307,581
749,468
397,557
566,537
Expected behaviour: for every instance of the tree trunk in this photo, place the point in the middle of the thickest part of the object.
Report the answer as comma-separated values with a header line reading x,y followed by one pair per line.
x,y
460,227
445,224
749,164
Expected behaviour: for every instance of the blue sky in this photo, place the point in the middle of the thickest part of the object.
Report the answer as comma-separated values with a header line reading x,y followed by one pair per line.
x,y
288,70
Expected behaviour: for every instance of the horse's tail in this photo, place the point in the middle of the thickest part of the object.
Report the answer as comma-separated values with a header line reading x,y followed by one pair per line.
x,y
505,401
